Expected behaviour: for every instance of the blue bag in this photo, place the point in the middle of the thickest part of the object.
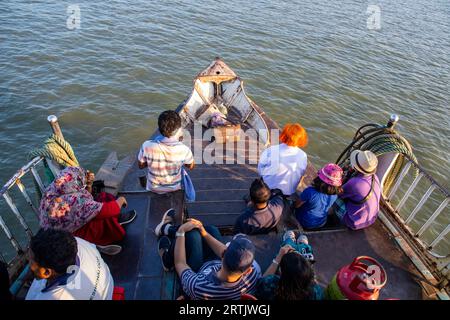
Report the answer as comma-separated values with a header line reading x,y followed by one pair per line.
x,y
188,186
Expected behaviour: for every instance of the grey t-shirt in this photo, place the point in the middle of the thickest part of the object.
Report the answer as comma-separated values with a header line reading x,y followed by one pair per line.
x,y
261,221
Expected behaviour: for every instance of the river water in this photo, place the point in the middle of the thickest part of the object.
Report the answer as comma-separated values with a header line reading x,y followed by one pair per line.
x,y
320,63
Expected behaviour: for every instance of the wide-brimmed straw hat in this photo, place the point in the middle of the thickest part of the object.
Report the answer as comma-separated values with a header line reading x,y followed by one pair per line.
x,y
331,174
365,162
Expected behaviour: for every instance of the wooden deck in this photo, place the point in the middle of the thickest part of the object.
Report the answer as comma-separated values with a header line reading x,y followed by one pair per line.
x,y
220,189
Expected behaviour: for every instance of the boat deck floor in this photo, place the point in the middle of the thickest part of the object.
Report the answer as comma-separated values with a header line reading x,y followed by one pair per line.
x,y
219,200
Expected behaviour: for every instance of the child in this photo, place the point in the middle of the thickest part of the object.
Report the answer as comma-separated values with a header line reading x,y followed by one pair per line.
x,y
265,210
166,155
316,200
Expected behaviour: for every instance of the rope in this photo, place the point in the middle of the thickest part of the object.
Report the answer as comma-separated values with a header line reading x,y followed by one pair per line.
x,y
380,141
57,149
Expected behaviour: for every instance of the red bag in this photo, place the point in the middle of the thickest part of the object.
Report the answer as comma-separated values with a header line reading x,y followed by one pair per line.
x,y
118,293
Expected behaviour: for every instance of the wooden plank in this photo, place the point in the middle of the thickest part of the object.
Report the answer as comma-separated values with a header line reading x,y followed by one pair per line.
x,y
113,172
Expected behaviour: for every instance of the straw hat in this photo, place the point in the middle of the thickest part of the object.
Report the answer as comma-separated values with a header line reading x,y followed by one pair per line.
x,y
331,174
365,162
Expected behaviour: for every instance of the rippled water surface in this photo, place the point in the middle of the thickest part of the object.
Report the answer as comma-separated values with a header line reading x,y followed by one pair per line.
x,y
314,62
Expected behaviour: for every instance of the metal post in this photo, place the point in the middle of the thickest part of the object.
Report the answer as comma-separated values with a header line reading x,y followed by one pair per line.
x,y
393,121
53,121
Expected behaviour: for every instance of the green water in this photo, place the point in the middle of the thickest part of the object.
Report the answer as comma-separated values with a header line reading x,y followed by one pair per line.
x,y
313,62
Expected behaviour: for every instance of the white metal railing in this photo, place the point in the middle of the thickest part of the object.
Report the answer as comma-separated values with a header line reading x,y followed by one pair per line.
x,y
429,244
16,181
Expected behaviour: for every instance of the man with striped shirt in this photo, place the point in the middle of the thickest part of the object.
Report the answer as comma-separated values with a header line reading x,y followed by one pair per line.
x,y
166,155
227,279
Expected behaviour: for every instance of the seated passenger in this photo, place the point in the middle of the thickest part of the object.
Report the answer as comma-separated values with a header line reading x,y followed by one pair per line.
x,y
358,206
67,268
316,200
283,166
295,278
68,205
166,155
263,212
209,269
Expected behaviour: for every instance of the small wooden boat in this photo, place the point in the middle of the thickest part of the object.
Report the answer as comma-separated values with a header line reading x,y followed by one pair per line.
x,y
220,186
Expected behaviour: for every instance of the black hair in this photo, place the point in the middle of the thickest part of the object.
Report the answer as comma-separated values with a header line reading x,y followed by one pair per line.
x,y
54,249
259,191
168,123
297,278
245,262
324,187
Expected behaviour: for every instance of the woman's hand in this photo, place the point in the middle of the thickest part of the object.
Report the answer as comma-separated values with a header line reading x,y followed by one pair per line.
x,y
187,226
199,225
122,202
283,250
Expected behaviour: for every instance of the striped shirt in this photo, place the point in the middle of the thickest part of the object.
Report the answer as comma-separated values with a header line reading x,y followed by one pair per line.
x,y
164,161
205,285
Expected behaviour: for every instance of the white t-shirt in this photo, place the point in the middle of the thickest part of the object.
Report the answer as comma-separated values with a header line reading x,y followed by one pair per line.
x,y
282,167
92,281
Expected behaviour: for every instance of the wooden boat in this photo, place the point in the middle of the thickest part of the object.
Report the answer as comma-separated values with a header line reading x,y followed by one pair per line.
x,y
220,187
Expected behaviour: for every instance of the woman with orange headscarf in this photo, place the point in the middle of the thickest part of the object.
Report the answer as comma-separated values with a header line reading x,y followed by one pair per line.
x,y
283,166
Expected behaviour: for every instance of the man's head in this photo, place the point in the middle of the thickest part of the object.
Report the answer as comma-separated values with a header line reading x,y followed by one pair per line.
x,y
259,192
169,122
239,255
51,253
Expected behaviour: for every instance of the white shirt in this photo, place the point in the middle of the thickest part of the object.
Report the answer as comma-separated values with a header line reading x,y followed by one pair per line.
x,y
282,167
83,285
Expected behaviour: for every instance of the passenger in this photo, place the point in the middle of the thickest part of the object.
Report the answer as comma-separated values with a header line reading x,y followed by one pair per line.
x,y
68,205
295,280
283,166
5,294
316,200
358,206
67,268
209,269
263,212
166,155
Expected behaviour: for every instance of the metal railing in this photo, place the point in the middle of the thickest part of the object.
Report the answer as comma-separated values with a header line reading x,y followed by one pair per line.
x,y
16,181
414,227
30,169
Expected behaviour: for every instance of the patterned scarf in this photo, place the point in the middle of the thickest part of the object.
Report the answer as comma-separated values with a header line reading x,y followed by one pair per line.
x,y
66,204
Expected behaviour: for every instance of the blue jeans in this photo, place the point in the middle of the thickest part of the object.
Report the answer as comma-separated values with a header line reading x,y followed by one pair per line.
x,y
197,250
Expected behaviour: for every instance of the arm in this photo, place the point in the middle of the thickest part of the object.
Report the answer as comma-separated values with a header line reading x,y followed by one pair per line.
x,y
190,166
274,265
216,246
142,161
111,208
142,165
180,254
180,248
302,198
298,203
189,160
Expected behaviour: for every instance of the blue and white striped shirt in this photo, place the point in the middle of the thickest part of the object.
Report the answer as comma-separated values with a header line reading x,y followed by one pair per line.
x,y
204,285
